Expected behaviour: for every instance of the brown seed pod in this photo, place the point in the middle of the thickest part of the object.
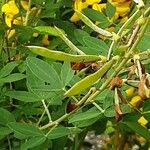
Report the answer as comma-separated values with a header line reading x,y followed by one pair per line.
x,y
71,107
119,113
143,87
116,83
77,66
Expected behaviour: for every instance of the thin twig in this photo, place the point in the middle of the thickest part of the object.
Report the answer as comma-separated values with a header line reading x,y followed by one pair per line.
x,y
47,111
9,144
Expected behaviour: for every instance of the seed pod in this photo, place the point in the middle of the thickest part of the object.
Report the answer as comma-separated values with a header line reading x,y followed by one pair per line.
x,y
116,83
71,107
89,23
90,80
61,56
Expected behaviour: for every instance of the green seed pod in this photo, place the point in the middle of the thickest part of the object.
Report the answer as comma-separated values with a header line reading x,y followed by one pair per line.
x,y
91,79
89,23
61,56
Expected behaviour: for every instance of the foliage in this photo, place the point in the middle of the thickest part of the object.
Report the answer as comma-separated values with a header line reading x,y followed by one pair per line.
x,y
69,67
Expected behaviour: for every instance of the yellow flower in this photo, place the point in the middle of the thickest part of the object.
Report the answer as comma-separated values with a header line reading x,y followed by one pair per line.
x,y
9,19
78,5
130,91
24,5
142,121
135,101
122,6
10,9
91,2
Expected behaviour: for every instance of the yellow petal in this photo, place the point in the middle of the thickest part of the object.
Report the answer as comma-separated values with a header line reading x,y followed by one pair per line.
x,y
10,8
135,101
78,5
10,33
122,11
130,91
142,121
19,21
91,2
74,18
124,19
8,20
24,4
99,7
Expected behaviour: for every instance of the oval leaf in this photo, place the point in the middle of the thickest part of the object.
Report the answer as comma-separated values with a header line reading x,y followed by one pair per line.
x,y
25,129
23,96
33,142
58,132
6,117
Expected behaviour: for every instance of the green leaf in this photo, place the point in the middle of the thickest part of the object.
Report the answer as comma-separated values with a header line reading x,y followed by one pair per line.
x,y
6,70
86,123
97,44
66,73
6,117
25,129
58,132
106,98
24,33
125,108
13,77
44,71
110,10
33,142
110,112
4,131
23,96
144,43
79,35
47,29
137,128
60,144
90,114
97,16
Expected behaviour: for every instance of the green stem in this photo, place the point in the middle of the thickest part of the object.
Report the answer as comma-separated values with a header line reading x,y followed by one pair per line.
x,y
120,32
51,124
47,111
9,144
28,13
98,107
